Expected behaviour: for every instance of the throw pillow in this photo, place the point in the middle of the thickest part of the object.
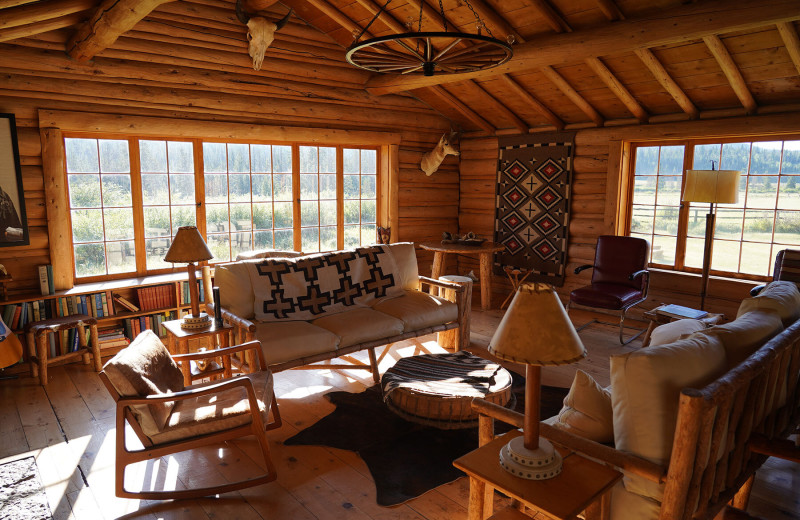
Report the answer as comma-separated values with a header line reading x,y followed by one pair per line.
x,y
781,297
670,332
746,334
587,410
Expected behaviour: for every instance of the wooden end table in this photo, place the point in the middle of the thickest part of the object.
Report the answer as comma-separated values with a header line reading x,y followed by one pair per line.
x,y
583,485
178,343
484,251
656,319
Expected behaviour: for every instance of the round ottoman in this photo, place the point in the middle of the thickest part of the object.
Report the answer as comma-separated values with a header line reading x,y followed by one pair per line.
x,y
437,389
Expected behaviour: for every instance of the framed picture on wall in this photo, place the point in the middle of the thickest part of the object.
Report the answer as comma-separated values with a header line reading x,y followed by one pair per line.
x,y
13,222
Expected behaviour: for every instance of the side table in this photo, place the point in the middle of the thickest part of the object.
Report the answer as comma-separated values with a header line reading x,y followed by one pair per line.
x,y
656,318
178,343
582,485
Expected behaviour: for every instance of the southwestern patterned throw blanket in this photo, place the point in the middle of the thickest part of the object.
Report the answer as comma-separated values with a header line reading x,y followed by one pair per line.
x,y
534,174
312,286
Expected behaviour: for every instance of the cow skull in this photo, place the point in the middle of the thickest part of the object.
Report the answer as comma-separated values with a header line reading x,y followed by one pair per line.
x,y
260,32
446,146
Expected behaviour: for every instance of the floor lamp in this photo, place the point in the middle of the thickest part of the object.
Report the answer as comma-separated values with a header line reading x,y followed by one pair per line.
x,y
715,187
536,332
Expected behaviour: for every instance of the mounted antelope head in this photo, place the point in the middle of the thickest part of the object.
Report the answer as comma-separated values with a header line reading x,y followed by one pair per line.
x,y
448,145
260,32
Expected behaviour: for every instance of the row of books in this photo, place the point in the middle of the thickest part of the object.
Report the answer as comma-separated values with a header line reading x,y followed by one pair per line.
x,y
156,297
65,342
132,327
110,337
186,299
17,315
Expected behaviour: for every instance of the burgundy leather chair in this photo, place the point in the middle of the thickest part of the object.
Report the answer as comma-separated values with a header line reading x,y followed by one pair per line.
x,y
787,267
619,279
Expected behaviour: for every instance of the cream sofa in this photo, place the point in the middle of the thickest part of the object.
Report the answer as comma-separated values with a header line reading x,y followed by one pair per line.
x,y
680,418
317,307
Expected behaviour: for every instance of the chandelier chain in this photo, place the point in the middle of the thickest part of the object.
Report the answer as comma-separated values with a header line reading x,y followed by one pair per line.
x,y
419,24
477,18
365,29
441,11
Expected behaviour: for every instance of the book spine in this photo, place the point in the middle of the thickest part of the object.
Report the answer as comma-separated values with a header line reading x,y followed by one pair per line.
x,y
98,305
104,299
44,287
50,288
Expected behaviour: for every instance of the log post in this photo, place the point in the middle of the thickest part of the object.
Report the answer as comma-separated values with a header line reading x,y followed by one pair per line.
x,y
55,189
457,339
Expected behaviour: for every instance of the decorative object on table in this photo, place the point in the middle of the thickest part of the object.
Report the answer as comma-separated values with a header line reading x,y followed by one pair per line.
x,y
467,239
715,187
447,145
620,279
260,32
13,220
217,308
429,52
555,343
22,496
534,174
383,235
188,246
4,279
471,275
516,276
10,349
405,459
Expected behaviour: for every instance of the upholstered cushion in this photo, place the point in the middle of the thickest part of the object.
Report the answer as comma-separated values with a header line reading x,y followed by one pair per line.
x,y
629,506
746,334
670,332
605,296
645,390
216,412
145,368
283,341
405,256
360,325
235,289
782,297
267,253
618,257
419,310
587,410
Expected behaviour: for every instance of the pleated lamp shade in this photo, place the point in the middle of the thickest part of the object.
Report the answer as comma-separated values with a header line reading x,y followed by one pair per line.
x,y
536,330
717,186
188,246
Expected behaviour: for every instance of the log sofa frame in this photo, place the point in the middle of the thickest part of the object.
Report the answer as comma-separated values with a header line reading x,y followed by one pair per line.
x,y
244,331
740,415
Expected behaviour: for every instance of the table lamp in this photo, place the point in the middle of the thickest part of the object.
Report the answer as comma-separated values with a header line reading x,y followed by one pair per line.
x,y
536,332
715,187
189,246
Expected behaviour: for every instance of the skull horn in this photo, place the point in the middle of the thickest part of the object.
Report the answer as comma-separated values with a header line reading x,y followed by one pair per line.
x,y
240,13
280,23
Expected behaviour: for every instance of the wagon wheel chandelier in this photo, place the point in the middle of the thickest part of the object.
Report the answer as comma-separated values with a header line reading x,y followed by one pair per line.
x,y
426,53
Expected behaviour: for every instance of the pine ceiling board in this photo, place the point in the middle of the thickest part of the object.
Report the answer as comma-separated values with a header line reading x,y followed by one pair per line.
x,y
444,109
550,96
517,104
714,97
632,8
777,91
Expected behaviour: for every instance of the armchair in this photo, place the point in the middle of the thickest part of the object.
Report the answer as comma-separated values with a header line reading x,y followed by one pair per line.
x,y
787,267
620,279
167,417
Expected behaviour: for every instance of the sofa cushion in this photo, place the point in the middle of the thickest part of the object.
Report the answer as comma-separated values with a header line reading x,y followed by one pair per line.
x,y
145,368
419,310
626,505
267,253
360,325
587,410
782,297
645,390
670,332
312,286
216,412
746,334
283,341
406,258
235,289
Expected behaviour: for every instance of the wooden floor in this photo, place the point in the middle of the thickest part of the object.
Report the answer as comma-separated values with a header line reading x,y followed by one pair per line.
x,y
69,427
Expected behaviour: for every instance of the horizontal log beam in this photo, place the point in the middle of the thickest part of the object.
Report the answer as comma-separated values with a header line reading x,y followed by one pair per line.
x,y
41,11
664,27
25,31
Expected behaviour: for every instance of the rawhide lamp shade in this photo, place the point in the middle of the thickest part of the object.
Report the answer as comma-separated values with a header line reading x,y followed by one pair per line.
x,y
535,331
189,246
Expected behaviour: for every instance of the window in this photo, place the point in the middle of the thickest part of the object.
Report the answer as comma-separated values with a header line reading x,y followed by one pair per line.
x,y
748,234
129,196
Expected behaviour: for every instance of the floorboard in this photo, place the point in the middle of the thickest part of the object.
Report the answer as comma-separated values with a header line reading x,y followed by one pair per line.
x,y
69,428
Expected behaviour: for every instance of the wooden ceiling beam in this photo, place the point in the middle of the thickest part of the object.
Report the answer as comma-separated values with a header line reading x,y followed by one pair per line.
x,y
25,31
6,4
521,125
610,10
43,11
111,20
573,95
791,41
731,71
384,16
337,16
430,13
617,88
687,22
488,14
662,76
551,16
533,102
462,109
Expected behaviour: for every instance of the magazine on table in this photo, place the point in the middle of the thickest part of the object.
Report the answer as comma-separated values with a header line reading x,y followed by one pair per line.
x,y
681,312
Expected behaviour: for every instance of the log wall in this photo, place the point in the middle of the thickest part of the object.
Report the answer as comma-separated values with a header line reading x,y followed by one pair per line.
x,y
595,188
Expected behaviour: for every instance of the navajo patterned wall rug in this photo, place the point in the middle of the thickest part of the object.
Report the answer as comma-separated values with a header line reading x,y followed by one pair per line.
x,y
534,174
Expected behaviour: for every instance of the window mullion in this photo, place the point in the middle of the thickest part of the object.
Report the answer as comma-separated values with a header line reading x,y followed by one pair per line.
x,y
138,207
296,234
683,212
199,187
340,197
